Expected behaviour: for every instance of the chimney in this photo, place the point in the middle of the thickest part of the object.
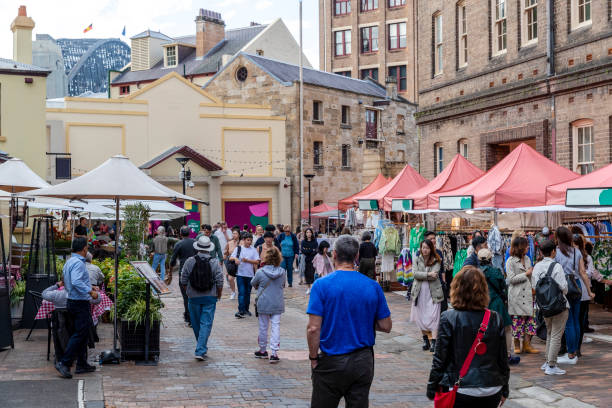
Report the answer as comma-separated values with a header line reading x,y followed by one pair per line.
x,y
391,86
210,30
22,36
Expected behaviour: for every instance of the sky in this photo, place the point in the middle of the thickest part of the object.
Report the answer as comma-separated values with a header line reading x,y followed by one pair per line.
x,y
68,18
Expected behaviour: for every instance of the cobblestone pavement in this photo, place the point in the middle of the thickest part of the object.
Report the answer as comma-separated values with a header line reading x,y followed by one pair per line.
x,y
233,378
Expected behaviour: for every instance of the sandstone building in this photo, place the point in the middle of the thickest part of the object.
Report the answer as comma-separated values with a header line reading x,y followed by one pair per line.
x,y
494,73
353,129
370,38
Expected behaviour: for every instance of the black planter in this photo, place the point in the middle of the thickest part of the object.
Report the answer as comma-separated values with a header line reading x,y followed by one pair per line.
x,y
132,337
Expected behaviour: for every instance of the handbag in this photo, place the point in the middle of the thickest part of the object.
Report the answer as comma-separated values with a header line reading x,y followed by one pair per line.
x,y
230,266
447,399
574,293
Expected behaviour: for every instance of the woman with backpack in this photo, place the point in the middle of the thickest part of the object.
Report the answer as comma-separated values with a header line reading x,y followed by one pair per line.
x,y
571,260
269,281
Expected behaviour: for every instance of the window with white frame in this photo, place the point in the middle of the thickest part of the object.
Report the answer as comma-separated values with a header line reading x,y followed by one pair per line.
x,y
342,7
317,154
580,13
530,21
369,5
499,26
463,38
369,39
171,56
397,36
346,155
438,44
343,42
396,3
584,142
462,147
438,158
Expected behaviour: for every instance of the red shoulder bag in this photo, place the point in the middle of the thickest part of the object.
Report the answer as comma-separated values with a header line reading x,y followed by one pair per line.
x,y
447,399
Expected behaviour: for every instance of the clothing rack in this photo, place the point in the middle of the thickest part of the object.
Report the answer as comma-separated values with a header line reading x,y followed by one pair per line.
x,y
587,218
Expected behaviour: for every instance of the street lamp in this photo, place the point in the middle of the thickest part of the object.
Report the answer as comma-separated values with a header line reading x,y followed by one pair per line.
x,y
309,177
184,176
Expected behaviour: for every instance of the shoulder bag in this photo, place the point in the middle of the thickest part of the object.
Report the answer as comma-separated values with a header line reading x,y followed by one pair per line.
x,y
447,399
230,266
574,293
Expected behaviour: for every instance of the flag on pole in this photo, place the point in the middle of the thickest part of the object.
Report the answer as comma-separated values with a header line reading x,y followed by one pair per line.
x,y
89,28
123,32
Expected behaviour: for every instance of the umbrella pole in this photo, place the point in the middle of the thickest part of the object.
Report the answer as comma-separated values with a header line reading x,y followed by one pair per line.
x,y
25,208
10,230
117,228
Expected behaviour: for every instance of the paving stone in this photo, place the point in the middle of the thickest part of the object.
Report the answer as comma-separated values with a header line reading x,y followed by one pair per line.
x,y
573,403
541,394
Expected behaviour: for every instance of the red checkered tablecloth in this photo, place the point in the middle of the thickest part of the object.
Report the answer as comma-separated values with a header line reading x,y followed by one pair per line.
x,y
96,310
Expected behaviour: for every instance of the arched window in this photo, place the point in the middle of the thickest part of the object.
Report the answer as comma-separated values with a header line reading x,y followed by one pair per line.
x,y
583,143
462,147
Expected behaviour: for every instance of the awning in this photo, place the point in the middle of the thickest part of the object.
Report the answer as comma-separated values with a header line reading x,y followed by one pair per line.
x,y
349,202
593,189
318,209
406,182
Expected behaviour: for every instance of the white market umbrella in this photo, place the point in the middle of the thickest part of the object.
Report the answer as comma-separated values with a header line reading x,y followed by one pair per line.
x,y
116,179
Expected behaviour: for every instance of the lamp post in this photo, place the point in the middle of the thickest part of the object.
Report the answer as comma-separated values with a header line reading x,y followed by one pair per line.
x,y
309,177
184,176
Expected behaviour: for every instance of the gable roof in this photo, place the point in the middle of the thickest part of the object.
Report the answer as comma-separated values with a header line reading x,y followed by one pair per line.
x,y
211,62
196,157
154,34
8,66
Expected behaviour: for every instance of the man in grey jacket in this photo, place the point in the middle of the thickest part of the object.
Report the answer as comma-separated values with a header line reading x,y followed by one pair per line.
x,y
202,305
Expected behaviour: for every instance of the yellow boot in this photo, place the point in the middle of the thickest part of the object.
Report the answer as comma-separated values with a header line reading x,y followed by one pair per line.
x,y
527,347
517,346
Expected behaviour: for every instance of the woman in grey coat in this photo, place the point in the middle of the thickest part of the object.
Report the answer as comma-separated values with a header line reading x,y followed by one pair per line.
x,y
269,281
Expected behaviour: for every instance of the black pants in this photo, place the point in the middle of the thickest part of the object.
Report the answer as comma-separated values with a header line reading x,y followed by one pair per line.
x,y
347,376
466,401
185,302
367,266
583,319
79,311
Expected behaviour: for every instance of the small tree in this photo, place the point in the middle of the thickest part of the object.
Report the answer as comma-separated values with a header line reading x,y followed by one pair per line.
x,y
135,229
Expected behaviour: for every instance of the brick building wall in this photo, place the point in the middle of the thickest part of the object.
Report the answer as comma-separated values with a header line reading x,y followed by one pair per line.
x,y
332,182
381,59
497,101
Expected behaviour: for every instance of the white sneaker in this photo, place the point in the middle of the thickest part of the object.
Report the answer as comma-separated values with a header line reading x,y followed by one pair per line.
x,y
587,340
233,296
544,366
307,291
554,371
564,359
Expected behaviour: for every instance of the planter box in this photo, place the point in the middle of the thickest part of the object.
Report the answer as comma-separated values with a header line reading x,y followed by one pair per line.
x,y
17,311
132,340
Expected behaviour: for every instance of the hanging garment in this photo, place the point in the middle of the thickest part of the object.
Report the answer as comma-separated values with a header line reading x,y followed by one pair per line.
x,y
443,243
404,268
416,237
495,240
387,263
602,257
390,241
459,260
531,252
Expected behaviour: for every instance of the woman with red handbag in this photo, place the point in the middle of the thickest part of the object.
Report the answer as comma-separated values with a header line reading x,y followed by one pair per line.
x,y
470,365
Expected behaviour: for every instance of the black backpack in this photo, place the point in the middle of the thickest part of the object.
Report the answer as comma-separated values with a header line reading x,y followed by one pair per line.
x,y
201,277
549,296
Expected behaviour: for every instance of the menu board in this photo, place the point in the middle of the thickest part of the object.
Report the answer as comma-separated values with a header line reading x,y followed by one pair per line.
x,y
145,270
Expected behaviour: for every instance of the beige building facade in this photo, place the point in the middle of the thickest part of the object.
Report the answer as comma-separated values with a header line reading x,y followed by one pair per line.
x,y
236,151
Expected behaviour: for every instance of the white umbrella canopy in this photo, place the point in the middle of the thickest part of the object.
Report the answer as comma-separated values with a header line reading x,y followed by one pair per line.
x,y
16,176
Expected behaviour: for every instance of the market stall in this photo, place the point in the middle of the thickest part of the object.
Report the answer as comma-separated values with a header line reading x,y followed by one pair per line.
x,y
350,202
407,181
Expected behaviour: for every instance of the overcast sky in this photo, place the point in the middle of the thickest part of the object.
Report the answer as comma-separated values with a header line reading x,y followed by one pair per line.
x,y
68,18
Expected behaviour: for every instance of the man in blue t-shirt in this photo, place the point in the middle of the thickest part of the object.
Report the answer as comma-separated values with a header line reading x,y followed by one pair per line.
x,y
345,309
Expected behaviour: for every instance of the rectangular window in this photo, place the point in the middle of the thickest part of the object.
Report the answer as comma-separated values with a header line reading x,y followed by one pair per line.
x,y
500,28
170,56
463,148
316,110
396,3
346,155
584,11
399,73
438,159
63,168
463,38
343,43
371,124
124,90
369,5
342,7
317,154
397,36
344,73
531,20
370,72
346,115
585,144
438,43
369,39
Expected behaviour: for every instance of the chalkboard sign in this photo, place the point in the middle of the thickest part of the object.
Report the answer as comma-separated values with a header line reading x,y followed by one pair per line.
x,y
145,270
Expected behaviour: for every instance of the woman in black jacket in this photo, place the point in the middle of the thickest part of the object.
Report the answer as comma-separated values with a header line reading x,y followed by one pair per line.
x,y
486,382
309,249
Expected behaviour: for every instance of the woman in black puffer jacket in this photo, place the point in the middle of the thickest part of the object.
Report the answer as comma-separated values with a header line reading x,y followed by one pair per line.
x,y
486,382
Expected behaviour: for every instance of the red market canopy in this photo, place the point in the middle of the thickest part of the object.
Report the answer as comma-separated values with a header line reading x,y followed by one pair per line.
x,y
407,181
597,181
519,180
321,208
349,202
459,171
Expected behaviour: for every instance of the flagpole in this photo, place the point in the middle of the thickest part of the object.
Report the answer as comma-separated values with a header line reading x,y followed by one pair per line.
x,y
301,122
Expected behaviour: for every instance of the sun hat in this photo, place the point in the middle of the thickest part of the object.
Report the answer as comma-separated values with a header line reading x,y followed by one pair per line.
x,y
485,253
204,244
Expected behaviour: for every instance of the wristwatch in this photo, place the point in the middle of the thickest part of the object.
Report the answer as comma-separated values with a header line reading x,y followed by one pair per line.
x,y
313,358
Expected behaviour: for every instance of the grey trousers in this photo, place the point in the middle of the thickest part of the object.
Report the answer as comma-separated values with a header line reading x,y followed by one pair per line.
x,y
555,327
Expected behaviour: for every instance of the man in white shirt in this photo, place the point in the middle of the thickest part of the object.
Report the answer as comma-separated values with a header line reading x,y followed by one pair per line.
x,y
247,259
555,325
223,235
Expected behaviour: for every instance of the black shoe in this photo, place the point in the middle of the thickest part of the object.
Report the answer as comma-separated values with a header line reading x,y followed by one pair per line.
x,y
239,315
433,345
426,344
248,313
85,369
259,354
274,359
63,370
290,285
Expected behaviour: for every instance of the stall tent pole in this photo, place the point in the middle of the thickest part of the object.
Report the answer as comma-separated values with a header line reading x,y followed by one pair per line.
x,y
117,229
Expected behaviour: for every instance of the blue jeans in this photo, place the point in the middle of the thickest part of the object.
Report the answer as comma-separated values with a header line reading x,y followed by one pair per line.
x,y
572,327
160,259
244,293
80,312
202,313
287,264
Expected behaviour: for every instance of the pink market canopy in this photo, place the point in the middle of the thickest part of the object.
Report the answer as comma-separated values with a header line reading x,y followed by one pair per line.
x,y
593,189
407,181
519,180
459,171
349,202
321,208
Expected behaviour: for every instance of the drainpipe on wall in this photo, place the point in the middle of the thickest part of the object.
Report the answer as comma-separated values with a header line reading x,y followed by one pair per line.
x,y
550,72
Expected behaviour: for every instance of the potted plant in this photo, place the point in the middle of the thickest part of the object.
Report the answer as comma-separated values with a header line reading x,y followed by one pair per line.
x,y
17,296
